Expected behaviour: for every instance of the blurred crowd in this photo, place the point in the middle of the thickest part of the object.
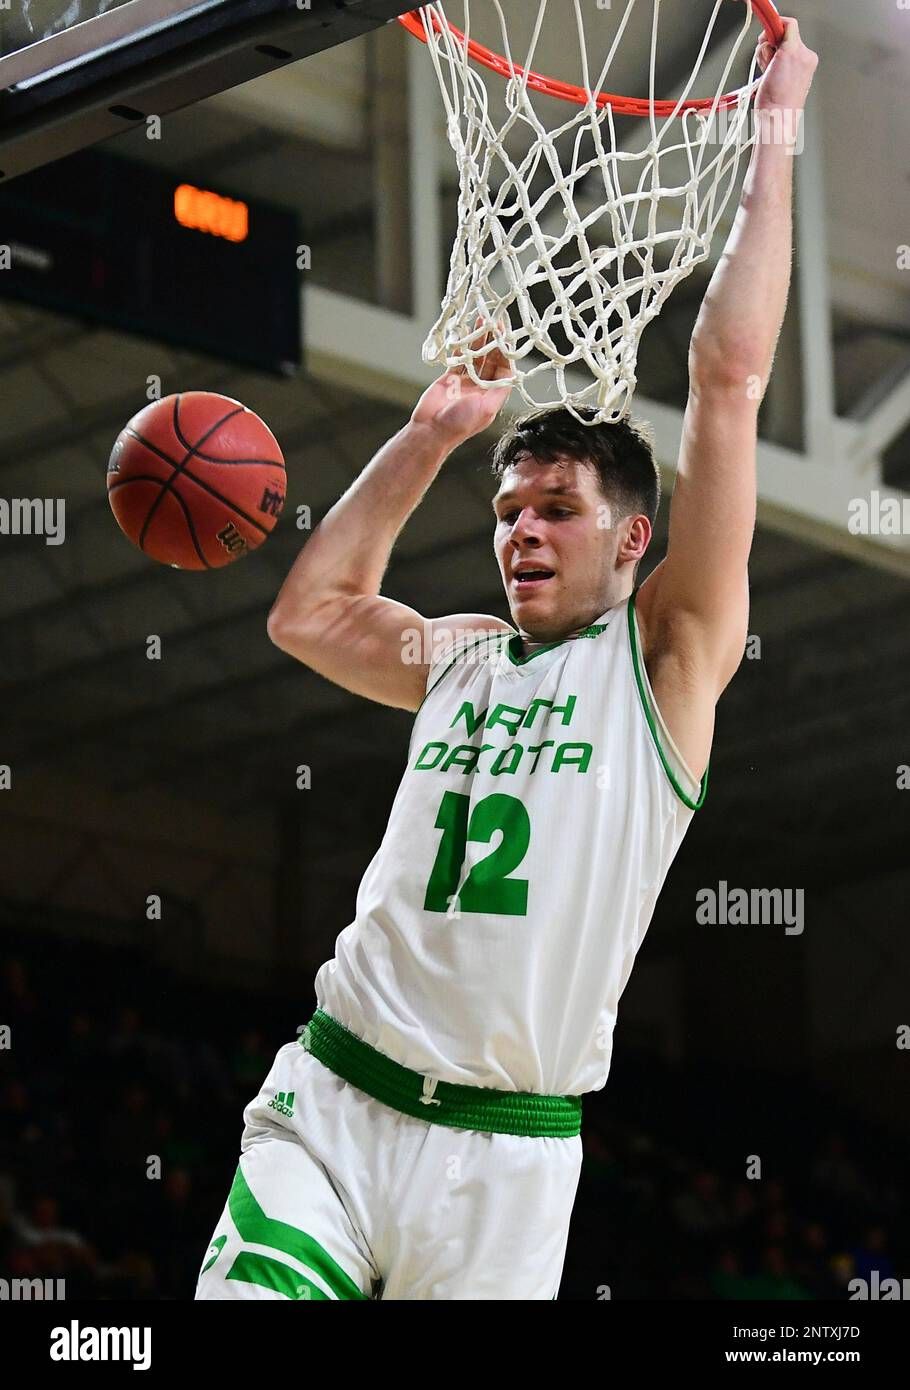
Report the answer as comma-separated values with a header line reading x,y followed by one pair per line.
x,y
672,1227
118,1135
121,1099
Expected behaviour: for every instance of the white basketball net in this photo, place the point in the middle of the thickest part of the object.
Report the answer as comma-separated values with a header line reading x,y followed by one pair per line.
x,y
569,274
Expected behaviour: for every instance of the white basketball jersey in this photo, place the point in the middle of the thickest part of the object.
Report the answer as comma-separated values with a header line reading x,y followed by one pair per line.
x,y
542,805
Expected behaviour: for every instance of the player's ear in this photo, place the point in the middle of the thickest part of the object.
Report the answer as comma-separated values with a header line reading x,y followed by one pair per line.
x,y
637,538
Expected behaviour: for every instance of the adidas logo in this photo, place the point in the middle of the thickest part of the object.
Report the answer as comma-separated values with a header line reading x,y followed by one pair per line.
x,y
283,1102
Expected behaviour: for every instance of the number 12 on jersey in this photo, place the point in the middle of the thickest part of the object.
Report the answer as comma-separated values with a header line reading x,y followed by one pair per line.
x,y
486,889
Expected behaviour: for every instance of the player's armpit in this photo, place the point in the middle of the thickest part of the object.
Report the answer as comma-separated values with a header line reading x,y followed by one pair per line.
x,y
689,662
374,646
706,646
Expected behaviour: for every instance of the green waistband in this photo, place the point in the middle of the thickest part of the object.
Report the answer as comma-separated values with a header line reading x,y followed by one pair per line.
x,y
442,1102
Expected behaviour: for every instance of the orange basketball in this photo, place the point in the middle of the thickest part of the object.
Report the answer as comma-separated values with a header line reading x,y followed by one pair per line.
x,y
196,480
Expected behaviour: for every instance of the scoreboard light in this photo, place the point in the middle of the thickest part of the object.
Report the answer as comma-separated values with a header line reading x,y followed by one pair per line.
x,y
200,210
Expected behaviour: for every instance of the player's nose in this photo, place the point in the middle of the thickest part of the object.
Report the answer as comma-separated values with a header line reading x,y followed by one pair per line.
x,y
526,525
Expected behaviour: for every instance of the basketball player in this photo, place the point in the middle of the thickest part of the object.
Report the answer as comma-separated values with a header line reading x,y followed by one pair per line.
x,y
421,1139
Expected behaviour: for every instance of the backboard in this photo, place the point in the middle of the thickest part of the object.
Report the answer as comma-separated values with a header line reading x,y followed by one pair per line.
x,y
73,72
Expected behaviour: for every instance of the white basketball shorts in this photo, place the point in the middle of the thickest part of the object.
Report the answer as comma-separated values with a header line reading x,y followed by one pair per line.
x,y
339,1196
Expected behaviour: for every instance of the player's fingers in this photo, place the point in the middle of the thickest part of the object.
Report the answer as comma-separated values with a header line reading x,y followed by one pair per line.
x,y
791,31
492,365
766,52
792,37
502,367
478,346
496,366
499,362
481,336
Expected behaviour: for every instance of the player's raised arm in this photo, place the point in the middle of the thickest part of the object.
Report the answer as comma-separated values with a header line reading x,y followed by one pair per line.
x,y
696,602
329,613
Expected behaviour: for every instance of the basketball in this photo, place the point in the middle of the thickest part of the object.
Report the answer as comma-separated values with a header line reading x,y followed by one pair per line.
x,y
196,480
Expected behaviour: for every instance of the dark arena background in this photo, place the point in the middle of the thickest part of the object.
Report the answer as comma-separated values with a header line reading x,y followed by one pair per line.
x,y
186,812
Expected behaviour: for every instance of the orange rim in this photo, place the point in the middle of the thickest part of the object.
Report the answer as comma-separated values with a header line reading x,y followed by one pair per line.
x,y
765,10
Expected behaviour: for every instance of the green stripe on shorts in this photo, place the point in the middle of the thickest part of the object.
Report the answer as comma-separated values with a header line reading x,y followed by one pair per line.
x,y
256,1228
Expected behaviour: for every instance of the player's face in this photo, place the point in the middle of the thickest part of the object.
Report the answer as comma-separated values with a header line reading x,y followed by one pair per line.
x,y
553,518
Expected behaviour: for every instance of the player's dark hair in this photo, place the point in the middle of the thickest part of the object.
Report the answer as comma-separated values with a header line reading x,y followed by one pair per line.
x,y
621,454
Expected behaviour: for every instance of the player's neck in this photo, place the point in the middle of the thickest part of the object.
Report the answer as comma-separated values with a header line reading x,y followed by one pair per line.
x,y
532,644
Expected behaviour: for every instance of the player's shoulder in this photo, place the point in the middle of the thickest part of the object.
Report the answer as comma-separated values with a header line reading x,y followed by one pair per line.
x,y
467,634
464,638
462,630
